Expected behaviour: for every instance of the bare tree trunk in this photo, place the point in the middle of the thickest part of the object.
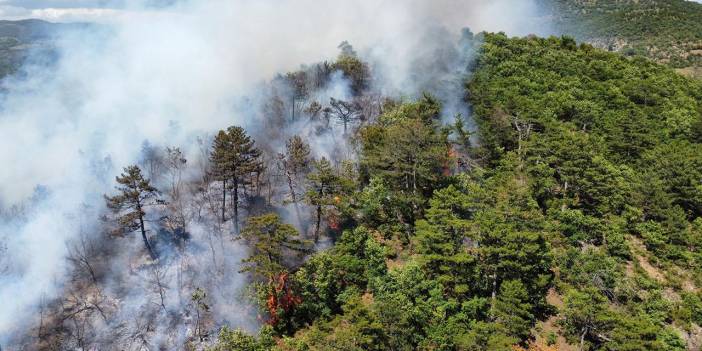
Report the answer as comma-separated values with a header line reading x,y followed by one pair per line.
x,y
493,297
224,198
317,224
160,286
293,196
143,233
236,205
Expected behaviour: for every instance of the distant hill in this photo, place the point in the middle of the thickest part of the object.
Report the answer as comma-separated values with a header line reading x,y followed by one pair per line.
x,y
668,31
20,38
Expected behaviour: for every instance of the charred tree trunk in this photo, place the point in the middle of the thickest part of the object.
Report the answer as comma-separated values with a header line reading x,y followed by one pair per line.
x,y
146,240
224,198
236,205
293,196
143,232
318,224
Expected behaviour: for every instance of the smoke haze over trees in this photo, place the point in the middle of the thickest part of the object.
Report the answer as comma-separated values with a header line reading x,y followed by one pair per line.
x,y
311,175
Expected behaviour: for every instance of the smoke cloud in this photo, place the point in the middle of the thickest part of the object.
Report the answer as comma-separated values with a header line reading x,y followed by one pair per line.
x,y
169,75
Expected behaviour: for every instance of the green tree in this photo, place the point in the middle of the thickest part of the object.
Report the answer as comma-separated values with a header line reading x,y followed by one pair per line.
x,y
238,340
294,162
513,310
270,240
586,316
234,157
409,151
678,168
324,188
135,194
445,242
510,240
355,70
272,246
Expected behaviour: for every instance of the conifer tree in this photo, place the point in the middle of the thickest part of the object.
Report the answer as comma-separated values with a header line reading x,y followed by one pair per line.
x,y
295,162
513,310
135,193
345,112
270,239
234,157
323,183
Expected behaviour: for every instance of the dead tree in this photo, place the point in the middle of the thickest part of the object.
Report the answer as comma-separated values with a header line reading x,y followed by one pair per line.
x,y
344,112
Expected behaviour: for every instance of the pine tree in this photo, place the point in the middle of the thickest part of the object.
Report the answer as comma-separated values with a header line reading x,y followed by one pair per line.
x,y
136,193
270,240
407,148
234,158
221,164
345,112
323,183
294,162
513,310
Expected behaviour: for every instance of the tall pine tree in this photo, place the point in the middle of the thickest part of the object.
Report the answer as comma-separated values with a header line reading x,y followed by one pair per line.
x,y
234,157
323,183
135,193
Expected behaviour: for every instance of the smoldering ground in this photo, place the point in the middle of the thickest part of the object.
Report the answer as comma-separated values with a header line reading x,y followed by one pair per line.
x,y
173,76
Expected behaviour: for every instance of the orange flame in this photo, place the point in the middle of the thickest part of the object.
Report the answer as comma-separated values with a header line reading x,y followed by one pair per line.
x,y
334,223
280,297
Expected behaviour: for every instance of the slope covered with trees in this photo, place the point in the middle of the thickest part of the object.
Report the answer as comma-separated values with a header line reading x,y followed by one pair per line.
x,y
575,227
568,219
30,39
668,31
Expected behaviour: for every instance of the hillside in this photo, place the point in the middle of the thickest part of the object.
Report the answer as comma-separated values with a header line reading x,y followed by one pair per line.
x,y
668,31
20,40
577,226
476,192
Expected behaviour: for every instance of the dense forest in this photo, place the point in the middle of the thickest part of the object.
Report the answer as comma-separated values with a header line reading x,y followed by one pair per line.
x,y
562,210
575,221
569,219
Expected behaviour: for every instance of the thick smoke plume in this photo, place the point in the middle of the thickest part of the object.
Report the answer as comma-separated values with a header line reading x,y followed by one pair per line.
x,y
172,76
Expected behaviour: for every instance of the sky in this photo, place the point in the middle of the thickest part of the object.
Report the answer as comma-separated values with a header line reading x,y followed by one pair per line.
x,y
80,10
74,10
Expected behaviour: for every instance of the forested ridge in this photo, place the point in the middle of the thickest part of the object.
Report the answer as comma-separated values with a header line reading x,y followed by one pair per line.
x,y
669,32
568,220
574,226
562,213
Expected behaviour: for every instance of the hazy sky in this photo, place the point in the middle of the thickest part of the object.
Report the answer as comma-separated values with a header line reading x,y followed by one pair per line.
x,y
74,10
80,10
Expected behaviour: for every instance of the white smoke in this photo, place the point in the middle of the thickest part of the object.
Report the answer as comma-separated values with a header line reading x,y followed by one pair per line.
x,y
167,75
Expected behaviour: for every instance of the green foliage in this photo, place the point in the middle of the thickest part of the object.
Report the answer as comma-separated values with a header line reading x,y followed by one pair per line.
x,y
135,194
667,31
585,316
355,70
237,340
233,158
408,152
328,279
513,310
327,190
270,240
587,185
539,83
